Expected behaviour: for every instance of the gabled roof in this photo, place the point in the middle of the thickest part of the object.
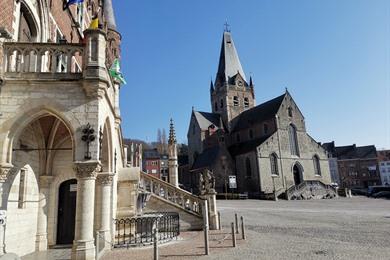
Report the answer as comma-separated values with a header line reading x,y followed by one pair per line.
x,y
206,158
258,113
247,146
229,63
205,119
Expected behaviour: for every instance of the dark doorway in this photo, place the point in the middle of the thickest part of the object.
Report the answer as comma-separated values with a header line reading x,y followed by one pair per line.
x,y
297,175
66,212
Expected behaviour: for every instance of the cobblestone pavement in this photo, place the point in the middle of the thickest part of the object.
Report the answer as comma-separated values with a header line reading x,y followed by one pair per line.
x,y
356,228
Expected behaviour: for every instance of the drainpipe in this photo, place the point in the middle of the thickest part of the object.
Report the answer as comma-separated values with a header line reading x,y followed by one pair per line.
x,y
280,152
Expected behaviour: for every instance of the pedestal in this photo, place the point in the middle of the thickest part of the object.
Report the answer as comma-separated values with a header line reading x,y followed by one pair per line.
x,y
211,198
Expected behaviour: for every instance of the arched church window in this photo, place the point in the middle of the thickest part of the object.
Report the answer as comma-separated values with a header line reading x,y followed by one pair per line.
x,y
246,102
248,167
290,111
221,105
274,164
292,134
235,101
317,167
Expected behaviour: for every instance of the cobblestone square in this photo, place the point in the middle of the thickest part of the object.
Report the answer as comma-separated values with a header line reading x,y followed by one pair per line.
x,y
356,228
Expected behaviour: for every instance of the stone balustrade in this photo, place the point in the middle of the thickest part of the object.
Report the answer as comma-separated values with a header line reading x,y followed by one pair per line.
x,y
311,189
169,192
45,58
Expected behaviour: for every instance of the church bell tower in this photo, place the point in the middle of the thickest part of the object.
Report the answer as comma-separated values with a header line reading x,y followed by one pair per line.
x,y
231,93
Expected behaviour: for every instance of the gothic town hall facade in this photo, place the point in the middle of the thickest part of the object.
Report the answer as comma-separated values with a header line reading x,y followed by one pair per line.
x,y
265,146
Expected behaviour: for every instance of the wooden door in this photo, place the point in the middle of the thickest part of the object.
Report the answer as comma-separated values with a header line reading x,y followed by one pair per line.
x,y
66,212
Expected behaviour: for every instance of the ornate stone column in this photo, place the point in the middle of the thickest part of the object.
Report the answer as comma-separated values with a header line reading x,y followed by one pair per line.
x,y
7,172
104,181
44,188
83,244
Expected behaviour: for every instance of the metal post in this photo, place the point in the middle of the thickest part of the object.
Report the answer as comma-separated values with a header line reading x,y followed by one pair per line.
x,y
243,228
219,221
206,228
155,242
233,235
236,221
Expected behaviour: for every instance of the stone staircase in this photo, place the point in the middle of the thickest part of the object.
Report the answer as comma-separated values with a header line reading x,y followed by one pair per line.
x,y
166,197
311,190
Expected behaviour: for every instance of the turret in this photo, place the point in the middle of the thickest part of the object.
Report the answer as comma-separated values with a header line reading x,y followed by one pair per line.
x,y
172,157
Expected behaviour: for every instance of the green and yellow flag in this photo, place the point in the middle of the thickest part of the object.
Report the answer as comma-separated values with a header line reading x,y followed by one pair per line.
x,y
94,23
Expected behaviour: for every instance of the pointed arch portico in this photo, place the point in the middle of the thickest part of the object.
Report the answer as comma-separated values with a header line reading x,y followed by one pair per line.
x,y
297,173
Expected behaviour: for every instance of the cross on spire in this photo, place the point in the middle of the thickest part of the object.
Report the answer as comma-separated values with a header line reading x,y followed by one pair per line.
x,y
226,27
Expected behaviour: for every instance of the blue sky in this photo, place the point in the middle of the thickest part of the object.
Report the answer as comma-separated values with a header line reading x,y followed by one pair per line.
x,y
332,55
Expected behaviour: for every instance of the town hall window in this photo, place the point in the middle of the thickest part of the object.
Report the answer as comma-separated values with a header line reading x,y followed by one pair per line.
x,y
246,102
235,101
292,134
274,164
317,167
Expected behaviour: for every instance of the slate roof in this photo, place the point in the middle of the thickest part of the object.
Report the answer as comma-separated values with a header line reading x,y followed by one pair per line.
x,y
351,151
229,63
258,113
206,119
206,158
247,146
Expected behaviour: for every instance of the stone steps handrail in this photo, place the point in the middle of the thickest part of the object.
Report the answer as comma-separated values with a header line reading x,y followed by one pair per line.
x,y
40,57
167,191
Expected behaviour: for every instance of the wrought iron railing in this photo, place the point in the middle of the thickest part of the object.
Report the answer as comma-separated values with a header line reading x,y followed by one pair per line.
x,y
138,231
169,192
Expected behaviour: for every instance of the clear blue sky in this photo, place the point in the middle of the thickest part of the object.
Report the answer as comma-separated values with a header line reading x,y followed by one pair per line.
x,y
332,55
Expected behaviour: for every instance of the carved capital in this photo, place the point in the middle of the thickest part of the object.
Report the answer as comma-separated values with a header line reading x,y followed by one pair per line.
x,y
87,170
105,178
6,172
45,181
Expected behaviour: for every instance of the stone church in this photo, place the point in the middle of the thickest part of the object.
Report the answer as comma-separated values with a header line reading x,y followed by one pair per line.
x,y
265,146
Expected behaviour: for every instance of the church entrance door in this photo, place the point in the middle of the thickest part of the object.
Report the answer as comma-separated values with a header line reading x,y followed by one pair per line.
x,y
66,212
297,175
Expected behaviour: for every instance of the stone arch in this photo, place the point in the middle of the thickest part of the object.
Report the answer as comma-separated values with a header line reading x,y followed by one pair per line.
x,y
297,172
29,112
107,147
53,202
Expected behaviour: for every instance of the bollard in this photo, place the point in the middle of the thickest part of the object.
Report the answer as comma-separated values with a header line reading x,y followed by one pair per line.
x,y
155,243
346,193
97,245
206,228
243,228
233,235
236,221
350,193
219,221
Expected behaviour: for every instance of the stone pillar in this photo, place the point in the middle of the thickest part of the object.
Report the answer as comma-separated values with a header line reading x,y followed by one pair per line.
x,y
83,244
104,181
41,238
6,174
211,198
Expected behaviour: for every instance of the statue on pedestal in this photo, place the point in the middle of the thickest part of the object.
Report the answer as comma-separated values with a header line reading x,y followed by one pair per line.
x,y
207,182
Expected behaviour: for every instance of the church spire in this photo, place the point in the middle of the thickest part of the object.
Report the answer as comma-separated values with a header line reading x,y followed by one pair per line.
x,y
109,15
229,62
172,134
211,86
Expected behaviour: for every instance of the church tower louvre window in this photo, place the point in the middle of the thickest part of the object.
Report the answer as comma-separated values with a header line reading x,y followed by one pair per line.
x,y
235,101
246,102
